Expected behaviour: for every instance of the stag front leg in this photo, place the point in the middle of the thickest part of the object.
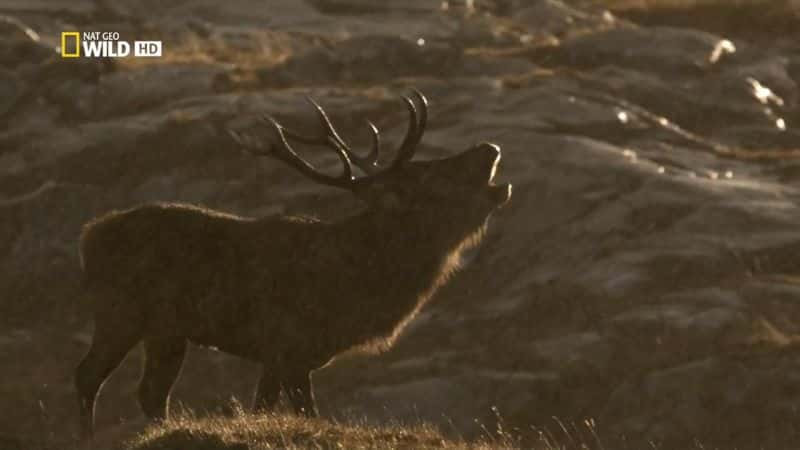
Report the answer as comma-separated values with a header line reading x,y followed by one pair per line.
x,y
110,343
300,392
163,361
268,391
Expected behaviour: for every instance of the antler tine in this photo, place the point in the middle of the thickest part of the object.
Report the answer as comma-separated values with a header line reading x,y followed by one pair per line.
x,y
406,150
367,164
313,140
371,160
287,154
423,117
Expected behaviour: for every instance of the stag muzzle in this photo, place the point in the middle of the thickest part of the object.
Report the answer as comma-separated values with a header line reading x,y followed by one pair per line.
x,y
485,158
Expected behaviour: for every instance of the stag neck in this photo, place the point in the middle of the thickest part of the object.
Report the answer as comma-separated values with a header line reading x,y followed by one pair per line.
x,y
410,232
397,262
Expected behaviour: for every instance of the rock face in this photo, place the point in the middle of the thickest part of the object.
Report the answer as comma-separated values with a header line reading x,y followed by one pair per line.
x,y
644,275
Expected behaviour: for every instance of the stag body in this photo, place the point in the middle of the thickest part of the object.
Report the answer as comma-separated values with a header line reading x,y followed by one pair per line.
x,y
290,293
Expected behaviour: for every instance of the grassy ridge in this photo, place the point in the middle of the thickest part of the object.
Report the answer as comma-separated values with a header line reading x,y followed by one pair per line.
x,y
244,431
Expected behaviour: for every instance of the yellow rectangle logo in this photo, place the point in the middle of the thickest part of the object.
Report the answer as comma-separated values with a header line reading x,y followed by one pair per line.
x,y
70,34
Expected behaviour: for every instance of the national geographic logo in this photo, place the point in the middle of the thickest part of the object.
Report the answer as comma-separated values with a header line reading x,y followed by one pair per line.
x,y
105,44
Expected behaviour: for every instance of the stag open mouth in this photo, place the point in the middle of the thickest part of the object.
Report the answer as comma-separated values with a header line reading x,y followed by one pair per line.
x,y
499,193
493,172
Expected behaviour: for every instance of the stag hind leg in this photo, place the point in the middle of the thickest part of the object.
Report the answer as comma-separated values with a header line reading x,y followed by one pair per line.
x,y
268,391
162,365
110,343
296,385
299,389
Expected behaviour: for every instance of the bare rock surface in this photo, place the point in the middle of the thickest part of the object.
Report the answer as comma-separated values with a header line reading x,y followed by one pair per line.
x,y
643,276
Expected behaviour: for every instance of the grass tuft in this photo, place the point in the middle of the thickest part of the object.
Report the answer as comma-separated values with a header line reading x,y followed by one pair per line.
x,y
246,431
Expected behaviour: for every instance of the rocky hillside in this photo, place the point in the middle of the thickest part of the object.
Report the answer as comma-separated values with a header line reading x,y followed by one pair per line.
x,y
644,276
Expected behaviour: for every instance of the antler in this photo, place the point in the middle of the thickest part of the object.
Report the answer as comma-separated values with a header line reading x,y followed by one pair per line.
x,y
368,164
415,128
286,153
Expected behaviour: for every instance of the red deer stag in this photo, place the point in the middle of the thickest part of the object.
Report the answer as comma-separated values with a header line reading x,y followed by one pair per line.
x,y
290,293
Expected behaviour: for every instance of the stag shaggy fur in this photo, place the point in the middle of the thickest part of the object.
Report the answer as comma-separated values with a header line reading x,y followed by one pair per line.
x,y
288,292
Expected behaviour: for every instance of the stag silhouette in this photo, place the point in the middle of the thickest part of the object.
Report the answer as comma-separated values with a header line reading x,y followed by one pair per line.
x,y
290,293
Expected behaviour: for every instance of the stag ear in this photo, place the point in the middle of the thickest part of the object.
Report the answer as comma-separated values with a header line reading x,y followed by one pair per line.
x,y
377,193
390,200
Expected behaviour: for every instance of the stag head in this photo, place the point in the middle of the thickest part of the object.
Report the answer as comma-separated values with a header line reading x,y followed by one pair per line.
x,y
462,183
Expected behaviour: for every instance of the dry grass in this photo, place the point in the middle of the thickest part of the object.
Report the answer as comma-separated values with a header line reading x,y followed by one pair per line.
x,y
244,431
644,4
751,19
248,49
